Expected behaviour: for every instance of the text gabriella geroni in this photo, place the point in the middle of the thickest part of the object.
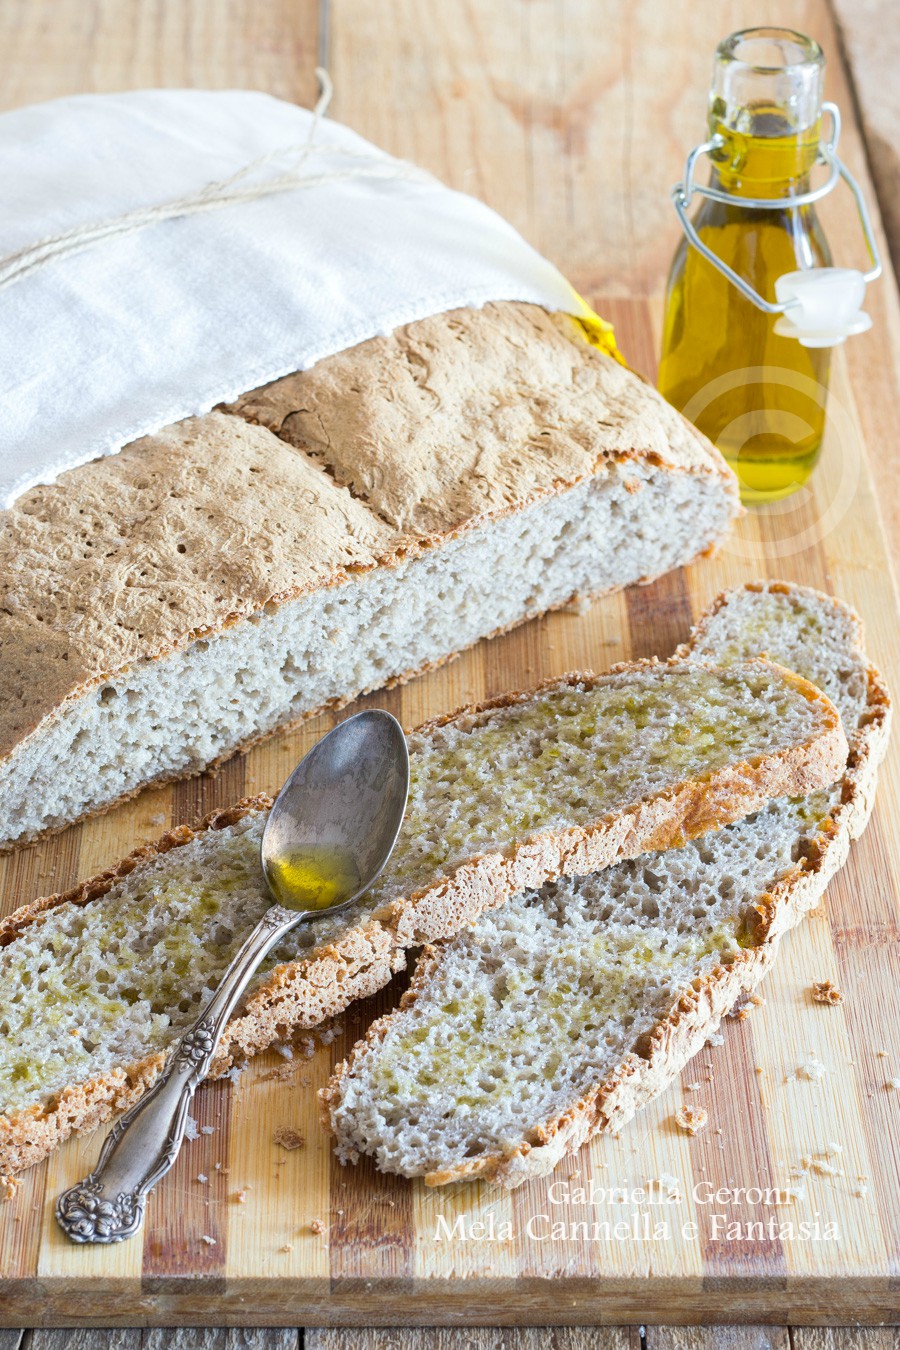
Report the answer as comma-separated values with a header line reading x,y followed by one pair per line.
x,y
640,1225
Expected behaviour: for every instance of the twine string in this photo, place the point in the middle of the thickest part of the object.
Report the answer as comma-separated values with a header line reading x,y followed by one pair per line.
x,y
223,192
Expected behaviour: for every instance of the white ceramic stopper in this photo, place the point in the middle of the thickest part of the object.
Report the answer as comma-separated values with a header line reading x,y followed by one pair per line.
x,y
823,305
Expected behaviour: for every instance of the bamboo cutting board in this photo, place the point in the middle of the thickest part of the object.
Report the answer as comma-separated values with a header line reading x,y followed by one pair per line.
x,y
572,120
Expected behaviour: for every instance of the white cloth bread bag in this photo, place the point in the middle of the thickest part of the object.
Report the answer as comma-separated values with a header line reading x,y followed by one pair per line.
x,y
165,250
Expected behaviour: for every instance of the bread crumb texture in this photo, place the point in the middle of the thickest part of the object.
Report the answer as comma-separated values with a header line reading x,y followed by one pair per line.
x,y
96,987
561,1013
545,997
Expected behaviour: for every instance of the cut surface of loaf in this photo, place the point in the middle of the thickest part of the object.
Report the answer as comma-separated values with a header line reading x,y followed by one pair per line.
x,y
328,534
561,1013
565,778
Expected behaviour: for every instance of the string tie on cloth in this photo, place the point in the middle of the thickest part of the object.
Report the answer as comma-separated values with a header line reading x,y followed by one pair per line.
x,y
223,192
115,327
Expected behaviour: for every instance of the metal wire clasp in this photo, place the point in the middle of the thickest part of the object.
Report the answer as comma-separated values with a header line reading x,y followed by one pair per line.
x,y
683,192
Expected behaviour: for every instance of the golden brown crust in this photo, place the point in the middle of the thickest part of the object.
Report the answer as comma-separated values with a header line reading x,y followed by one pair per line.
x,y
303,993
28,1136
664,1051
385,416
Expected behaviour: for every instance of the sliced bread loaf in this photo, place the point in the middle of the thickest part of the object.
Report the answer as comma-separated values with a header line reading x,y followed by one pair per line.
x,y
565,778
332,533
560,1014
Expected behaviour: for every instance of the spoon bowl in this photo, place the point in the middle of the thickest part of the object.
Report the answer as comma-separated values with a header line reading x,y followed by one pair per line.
x,y
336,820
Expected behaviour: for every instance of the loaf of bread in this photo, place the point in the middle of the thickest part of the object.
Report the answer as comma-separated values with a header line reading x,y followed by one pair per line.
x,y
334,532
565,778
562,1013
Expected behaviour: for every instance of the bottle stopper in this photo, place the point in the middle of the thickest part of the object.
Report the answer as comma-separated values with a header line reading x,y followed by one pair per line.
x,y
822,305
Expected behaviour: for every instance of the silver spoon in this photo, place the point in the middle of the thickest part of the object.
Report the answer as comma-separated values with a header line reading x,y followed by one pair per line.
x,y
327,838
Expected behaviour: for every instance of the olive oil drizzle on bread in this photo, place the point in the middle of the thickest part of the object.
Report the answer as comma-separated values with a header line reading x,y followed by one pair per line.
x,y
562,1013
149,940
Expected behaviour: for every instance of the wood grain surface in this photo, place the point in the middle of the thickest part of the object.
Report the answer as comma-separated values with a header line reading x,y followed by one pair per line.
x,y
471,1338
870,36
450,1338
572,119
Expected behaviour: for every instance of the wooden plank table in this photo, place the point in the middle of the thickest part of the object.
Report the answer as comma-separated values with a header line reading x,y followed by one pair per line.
x,y
448,1338
572,119
870,37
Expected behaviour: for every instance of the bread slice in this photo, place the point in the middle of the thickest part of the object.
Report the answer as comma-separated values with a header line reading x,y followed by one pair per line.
x,y
335,532
562,1013
565,778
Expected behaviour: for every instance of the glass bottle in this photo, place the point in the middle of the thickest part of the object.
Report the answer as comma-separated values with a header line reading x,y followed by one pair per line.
x,y
758,395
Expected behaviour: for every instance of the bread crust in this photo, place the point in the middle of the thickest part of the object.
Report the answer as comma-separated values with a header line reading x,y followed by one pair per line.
x,y
661,1054
155,594
301,994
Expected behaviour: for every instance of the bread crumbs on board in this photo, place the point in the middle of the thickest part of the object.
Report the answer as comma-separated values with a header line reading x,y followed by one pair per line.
x,y
812,1069
821,1165
823,991
287,1137
281,1073
691,1119
745,1005
193,1131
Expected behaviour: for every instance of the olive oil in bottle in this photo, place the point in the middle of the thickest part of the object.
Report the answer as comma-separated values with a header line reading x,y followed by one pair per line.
x,y
758,395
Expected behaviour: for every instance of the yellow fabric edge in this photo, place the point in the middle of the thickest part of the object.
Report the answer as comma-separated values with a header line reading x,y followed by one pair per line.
x,y
598,332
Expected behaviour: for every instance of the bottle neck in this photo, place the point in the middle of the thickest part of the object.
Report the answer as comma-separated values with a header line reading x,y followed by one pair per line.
x,y
765,112
763,165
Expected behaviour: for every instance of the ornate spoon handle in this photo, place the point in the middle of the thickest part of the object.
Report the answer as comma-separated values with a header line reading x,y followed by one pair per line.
x,y
141,1147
